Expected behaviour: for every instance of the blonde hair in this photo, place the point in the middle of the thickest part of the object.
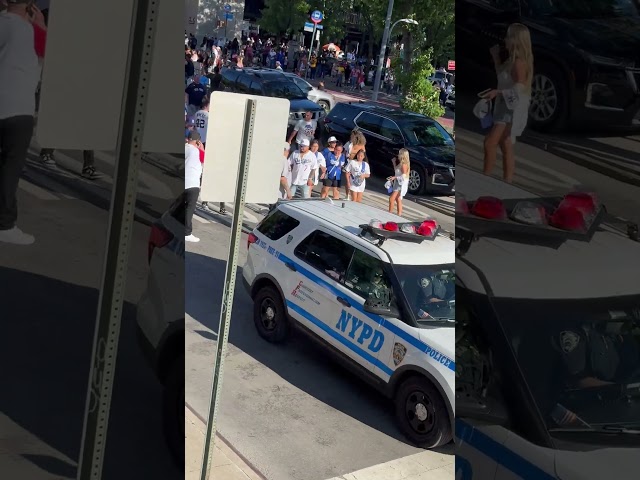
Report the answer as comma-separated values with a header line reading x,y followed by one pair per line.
x,y
358,138
403,157
518,43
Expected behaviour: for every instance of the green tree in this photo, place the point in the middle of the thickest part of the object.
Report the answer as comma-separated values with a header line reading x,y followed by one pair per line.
x,y
418,94
284,17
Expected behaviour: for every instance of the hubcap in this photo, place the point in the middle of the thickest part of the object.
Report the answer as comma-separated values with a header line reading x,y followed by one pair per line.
x,y
268,314
544,98
420,412
414,180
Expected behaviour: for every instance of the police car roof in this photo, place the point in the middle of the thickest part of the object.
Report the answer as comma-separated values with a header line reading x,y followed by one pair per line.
x,y
350,215
605,266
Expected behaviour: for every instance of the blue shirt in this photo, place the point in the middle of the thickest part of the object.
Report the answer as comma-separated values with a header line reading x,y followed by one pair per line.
x,y
334,164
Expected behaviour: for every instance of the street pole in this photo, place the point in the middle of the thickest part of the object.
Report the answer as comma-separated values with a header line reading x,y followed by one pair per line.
x,y
313,39
229,288
113,283
383,51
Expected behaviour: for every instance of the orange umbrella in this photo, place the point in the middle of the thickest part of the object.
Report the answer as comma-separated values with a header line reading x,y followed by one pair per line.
x,y
331,46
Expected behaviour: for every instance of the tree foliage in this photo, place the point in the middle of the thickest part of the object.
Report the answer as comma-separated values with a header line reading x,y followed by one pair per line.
x,y
419,95
284,17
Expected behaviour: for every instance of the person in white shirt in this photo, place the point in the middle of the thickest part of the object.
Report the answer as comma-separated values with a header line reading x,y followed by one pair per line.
x,y
321,163
19,78
285,175
192,177
305,129
202,121
357,173
303,163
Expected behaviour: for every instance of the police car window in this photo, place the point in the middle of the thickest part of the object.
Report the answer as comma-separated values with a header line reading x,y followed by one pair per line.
x,y
573,353
326,253
277,225
367,278
430,291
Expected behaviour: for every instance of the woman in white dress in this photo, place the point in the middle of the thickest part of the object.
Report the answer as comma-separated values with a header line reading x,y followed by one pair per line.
x,y
400,182
512,99
357,173
357,143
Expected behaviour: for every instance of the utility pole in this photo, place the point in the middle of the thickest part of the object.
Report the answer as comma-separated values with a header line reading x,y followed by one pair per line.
x,y
383,51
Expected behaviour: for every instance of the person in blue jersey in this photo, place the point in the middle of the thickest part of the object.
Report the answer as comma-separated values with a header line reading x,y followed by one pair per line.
x,y
332,174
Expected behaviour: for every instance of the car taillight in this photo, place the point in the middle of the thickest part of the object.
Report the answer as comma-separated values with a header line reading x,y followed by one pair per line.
x,y
489,207
327,120
391,226
428,228
251,240
530,213
158,238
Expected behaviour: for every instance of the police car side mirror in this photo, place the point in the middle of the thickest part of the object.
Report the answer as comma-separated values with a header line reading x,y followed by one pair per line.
x,y
491,412
374,307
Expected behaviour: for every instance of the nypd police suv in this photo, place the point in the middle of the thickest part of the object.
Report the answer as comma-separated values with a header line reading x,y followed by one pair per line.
x,y
547,336
375,290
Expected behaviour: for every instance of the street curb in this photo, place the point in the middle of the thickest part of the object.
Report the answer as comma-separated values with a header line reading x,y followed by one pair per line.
x,y
229,450
225,219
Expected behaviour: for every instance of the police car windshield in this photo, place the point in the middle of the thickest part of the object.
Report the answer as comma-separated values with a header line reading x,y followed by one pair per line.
x,y
580,358
430,291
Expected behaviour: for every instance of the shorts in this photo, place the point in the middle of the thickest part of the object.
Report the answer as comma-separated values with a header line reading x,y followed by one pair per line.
x,y
327,182
305,190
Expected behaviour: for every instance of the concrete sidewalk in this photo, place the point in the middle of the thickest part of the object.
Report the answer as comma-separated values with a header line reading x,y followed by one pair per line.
x,y
227,464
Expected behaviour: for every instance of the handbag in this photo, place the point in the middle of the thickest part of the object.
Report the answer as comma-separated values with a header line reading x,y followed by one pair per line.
x,y
483,110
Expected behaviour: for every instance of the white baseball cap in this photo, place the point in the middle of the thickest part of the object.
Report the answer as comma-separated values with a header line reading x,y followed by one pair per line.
x,y
304,142
332,139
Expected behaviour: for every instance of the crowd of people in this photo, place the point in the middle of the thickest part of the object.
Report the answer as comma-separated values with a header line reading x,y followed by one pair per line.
x,y
306,162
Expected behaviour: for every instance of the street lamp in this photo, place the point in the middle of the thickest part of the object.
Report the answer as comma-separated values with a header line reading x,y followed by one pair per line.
x,y
383,47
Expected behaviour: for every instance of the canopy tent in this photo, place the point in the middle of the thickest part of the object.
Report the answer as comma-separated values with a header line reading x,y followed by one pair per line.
x,y
331,47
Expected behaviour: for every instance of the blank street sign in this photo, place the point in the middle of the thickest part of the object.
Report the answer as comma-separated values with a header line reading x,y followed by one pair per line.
x,y
83,81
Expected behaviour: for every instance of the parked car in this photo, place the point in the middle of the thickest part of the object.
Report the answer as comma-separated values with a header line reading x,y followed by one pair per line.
x,y
586,55
160,320
451,100
324,99
438,76
387,130
271,83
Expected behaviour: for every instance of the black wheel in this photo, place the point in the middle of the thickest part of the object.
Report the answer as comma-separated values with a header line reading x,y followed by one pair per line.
x,y
270,316
417,181
549,107
173,410
422,414
324,105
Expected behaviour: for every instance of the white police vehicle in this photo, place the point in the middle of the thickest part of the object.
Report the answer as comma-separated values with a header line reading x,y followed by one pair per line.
x,y
374,289
547,335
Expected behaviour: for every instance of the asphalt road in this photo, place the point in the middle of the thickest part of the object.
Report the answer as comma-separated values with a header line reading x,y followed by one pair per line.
x,y
288,409
602,159
49,298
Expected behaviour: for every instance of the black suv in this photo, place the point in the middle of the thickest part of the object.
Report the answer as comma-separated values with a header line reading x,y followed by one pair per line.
x,y
270,83
387,130
586,56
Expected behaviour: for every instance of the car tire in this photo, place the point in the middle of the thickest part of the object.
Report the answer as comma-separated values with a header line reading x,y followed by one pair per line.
x,y
417,397
269,315
173,411
417,181
549,109
325,105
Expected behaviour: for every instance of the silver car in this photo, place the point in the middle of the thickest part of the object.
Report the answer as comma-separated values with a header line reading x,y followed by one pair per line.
x,y
324,99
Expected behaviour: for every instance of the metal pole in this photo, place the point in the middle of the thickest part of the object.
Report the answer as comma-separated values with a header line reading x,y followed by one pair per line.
x,y
383,50
113,283
313,39
229,288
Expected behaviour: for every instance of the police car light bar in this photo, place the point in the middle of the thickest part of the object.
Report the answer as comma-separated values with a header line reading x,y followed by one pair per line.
x,y
415,232
576,216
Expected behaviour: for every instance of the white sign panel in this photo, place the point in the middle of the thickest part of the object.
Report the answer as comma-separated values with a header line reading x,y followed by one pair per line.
x,y
83,81
224,145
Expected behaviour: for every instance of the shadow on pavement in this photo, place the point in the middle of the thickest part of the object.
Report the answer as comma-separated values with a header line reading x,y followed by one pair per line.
x,y
299,361
45,347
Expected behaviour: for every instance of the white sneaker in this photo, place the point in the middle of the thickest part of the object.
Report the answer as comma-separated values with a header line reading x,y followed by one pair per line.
x,y
16,236
191,238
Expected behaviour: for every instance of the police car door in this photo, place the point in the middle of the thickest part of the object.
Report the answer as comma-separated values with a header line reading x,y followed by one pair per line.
x,y
321,301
